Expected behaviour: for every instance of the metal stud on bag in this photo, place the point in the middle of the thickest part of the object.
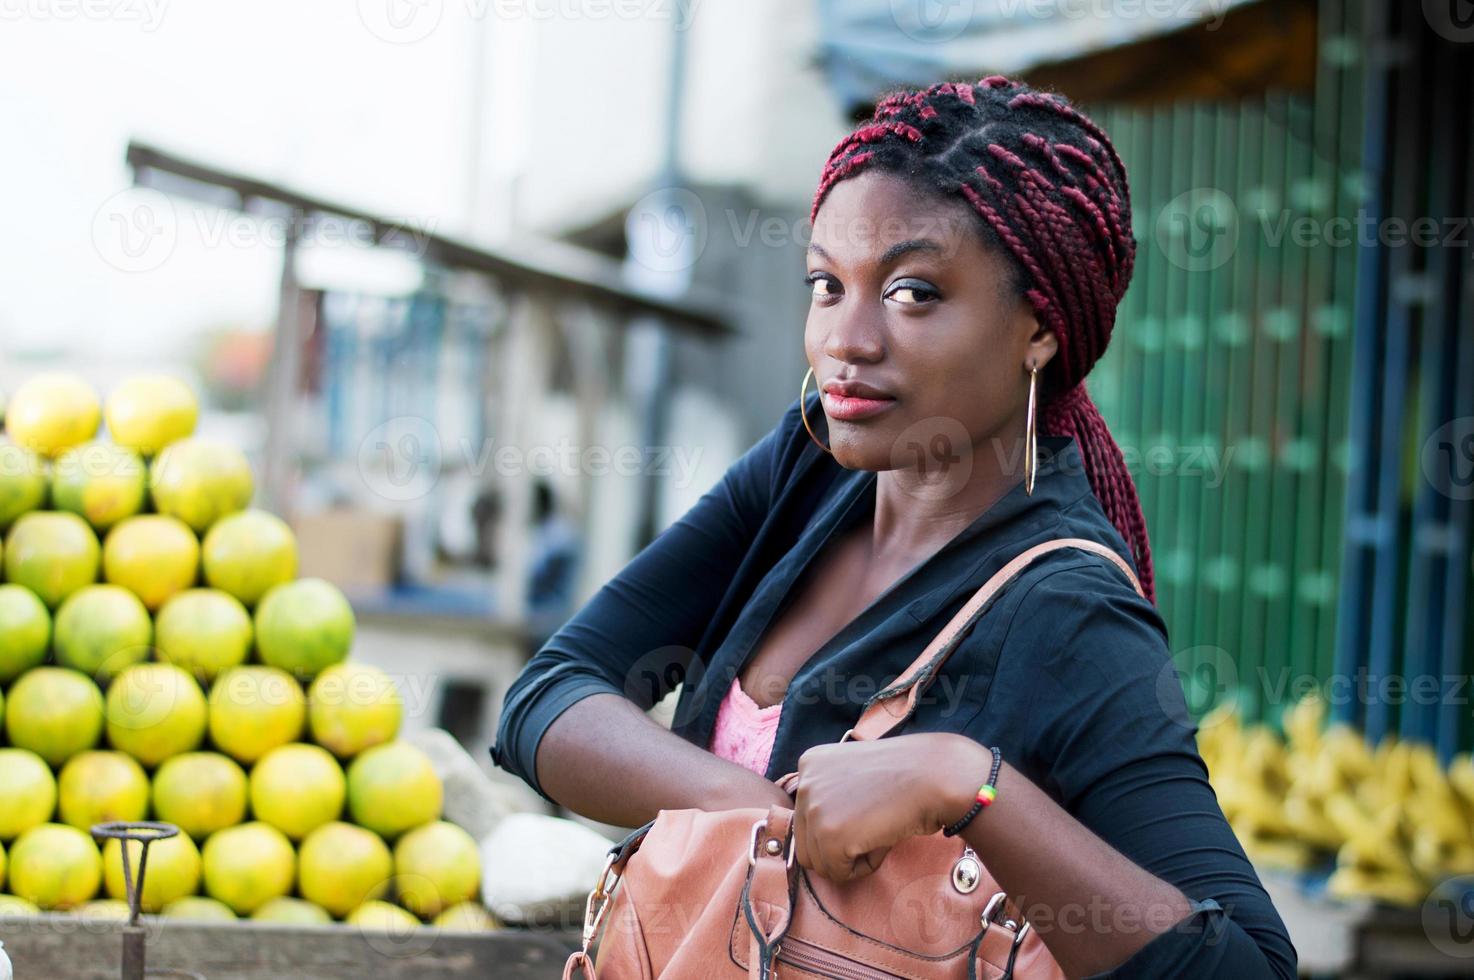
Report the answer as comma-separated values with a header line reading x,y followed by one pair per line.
x,y
967,872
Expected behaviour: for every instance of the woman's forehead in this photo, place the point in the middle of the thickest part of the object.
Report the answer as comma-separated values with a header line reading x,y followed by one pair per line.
x,y
874,213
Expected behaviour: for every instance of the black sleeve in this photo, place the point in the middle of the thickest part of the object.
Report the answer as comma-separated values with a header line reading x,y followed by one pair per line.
x,y
1086,675
636,635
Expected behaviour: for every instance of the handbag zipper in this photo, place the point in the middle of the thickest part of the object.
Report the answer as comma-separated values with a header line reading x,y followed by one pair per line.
x,y
817,959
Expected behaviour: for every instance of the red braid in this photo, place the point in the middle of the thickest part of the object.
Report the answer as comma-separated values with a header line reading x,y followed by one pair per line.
x,y
1052,193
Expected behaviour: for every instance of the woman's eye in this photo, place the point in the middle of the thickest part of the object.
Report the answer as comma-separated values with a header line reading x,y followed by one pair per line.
x,y
821,285
911,292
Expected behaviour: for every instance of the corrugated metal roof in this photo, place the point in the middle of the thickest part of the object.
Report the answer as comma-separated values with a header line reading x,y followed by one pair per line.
x,y
869,46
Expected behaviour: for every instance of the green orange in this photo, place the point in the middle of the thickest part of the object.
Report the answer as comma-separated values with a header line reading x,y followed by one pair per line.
x,y
25,631
200,793
342,866
153,556
297,788
148,412
254,709
393,788
53,412
54,712
200,481
205,631
154,711
101,787
99,482
101,629
52,553
22,482
248,866
248,553
304,626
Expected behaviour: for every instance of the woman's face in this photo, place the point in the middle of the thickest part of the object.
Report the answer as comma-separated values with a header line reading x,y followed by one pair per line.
x,y
912,319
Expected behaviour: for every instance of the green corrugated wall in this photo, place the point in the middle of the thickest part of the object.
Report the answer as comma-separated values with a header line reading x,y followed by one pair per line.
x,y
1227,380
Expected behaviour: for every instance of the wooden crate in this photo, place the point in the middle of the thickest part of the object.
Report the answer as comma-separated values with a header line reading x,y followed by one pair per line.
x,y
69,947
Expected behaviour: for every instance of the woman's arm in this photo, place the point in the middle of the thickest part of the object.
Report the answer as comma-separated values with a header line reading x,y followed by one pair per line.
x,y
608,760
633,642
1105,826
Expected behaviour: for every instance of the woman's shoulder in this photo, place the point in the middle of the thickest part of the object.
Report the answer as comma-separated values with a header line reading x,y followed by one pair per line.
x,y
1077,611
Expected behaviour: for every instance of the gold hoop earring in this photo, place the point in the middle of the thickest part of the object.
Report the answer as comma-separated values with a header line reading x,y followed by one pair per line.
x,y
1031,435
803,411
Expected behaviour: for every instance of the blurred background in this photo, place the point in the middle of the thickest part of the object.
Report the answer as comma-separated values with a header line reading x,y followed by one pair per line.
x,y
491,291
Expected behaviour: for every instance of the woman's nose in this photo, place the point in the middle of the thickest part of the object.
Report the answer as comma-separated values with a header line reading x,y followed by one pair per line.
x,y
854,335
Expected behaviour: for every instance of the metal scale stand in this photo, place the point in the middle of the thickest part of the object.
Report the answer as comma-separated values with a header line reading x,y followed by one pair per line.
x,y
134,935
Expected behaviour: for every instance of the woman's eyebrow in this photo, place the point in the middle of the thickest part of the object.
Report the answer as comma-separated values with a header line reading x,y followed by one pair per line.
x,y
890,254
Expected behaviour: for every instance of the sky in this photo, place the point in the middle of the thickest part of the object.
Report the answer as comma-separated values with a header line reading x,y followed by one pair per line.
x,y
320,96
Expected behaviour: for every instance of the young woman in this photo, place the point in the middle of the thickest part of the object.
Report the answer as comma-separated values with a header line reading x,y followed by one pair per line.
x,y
970,246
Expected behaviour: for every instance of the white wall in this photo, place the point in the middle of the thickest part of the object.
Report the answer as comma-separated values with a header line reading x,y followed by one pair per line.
x,y
341,101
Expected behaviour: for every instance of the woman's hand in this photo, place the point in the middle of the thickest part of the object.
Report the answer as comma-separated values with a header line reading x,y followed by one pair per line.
x,y
856,800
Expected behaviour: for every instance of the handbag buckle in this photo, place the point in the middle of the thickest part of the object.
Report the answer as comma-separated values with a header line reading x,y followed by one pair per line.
x,y
989,918
752,854
598,902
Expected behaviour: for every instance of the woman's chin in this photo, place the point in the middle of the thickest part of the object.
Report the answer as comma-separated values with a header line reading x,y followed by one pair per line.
x,y
857,448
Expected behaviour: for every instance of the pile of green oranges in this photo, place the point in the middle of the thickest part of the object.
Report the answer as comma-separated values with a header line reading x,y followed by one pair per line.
x,y
160,659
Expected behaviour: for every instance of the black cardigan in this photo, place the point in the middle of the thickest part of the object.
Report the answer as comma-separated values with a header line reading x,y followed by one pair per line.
x,y
1069,673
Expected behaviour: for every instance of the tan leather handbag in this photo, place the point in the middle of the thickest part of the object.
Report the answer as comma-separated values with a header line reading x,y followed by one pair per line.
x,y
697,893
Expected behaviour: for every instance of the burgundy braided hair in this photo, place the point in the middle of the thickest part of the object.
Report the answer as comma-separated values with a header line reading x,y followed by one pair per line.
x,y
1053,198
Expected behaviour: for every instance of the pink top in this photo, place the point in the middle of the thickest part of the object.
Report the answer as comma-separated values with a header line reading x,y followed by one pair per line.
x,y
744,732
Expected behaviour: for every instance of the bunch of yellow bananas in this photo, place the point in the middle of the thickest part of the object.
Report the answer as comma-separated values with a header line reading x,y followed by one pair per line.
x,y
1396,821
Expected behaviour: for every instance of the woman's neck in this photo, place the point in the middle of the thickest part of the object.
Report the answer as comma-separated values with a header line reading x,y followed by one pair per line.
x,y
917,513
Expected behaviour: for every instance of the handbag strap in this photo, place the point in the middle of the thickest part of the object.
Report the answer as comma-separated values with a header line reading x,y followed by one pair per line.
x,y
888,709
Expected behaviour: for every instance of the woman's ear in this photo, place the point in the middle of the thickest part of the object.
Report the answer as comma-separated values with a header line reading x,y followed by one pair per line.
x,y
1042,344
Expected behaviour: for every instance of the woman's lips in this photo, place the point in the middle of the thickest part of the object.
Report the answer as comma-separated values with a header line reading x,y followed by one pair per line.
x,y
852,408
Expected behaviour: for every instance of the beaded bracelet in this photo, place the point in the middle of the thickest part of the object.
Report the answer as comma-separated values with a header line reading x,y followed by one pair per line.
x,y
987,793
